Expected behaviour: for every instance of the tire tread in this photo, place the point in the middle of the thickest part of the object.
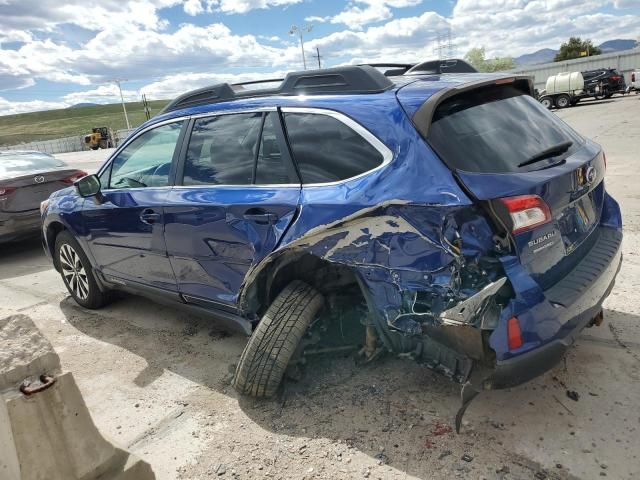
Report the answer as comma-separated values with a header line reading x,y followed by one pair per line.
x,y
275,339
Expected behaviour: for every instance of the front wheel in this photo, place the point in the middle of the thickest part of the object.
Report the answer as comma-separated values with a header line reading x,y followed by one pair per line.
x,y
547,102
77,273
275,339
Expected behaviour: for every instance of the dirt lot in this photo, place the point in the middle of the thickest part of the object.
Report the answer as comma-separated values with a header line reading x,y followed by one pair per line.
x,y
158,381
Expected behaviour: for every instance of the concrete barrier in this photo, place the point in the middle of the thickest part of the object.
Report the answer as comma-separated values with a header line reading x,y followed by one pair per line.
x,y
49,434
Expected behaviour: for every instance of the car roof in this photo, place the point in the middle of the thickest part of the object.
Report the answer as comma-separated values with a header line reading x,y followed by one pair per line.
x,y
422,85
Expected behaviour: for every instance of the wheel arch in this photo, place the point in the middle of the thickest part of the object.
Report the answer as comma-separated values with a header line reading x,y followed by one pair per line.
x,y
53,230
295,264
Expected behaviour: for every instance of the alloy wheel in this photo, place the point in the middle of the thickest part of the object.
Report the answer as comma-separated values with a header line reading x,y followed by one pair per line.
x,y
73,272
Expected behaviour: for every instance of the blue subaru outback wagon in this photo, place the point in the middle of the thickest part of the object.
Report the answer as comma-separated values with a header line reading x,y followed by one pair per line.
x,y
466,224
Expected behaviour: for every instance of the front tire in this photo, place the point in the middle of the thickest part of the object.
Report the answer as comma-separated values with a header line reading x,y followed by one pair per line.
x,y
547,102
275,339
77,273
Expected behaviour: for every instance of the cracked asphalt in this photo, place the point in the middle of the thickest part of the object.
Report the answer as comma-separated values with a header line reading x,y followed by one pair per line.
x,y
157,380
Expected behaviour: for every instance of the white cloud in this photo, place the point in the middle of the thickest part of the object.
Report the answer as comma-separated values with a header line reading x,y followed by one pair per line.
x,y
136,53
196,7
193,7
364,12
10,108
626,3
403,39
102,94
514,27
46,14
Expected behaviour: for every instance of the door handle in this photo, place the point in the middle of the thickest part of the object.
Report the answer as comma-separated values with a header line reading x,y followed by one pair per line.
x,y
260,217
149,217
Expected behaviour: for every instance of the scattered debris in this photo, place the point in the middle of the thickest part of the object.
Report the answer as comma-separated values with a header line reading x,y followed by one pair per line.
x,y
573,395
440,428
540,475
444,454
467,458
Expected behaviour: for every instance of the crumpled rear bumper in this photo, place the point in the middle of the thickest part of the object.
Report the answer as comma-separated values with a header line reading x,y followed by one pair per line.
x,y
575,302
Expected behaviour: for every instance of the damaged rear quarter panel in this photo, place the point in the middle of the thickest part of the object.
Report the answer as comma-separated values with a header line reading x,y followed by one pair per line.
x,y
393,227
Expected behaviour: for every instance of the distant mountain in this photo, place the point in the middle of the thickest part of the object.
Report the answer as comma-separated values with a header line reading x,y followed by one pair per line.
x,y
617,45
546,55
541,56
84,104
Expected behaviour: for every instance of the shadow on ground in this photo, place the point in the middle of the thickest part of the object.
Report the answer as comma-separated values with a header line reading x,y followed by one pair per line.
x,y
22,257
394,410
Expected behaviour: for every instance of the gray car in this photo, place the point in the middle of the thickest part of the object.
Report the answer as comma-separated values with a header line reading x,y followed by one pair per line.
x,y
26,179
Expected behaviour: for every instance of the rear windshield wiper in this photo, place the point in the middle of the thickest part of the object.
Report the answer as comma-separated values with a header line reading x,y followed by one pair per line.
x,y
547,153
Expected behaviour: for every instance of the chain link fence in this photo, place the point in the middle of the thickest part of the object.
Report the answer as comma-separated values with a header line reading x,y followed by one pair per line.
x,y
66,144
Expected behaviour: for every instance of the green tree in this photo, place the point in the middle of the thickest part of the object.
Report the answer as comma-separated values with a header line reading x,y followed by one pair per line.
x,y
476,57
576,48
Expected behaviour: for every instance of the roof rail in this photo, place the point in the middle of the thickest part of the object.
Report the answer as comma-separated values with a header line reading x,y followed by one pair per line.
x,y
452,65
392,69
352,79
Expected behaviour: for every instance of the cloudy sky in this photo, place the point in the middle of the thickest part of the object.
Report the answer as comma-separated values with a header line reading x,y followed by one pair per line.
x,y
55,53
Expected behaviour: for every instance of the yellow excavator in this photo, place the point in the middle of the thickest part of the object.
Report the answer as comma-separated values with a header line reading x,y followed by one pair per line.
x,y
98,138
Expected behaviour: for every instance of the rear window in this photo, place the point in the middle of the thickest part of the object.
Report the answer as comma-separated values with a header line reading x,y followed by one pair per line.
x,y
25,163
496,129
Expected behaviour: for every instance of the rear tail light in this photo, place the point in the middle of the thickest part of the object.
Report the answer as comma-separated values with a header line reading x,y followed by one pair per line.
x,y
615,78
526,211
6,191
633,77
76,176
514,335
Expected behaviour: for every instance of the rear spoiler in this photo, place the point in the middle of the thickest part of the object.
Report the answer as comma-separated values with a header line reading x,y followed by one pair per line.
x,y
424,115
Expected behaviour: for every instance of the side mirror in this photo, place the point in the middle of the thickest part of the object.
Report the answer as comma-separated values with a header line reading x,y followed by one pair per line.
x,y
89,186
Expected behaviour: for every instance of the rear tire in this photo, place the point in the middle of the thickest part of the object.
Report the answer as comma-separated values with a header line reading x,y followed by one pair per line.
x,y
547,102
77,273
563,101
275,339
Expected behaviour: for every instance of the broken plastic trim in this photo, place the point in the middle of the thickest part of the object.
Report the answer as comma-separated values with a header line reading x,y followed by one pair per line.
x,y
467,310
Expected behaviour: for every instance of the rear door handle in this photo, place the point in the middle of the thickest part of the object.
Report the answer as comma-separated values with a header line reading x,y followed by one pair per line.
x,y
260,217
149,217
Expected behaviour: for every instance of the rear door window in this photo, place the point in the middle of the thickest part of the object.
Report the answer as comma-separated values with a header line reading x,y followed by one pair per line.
x,y
326,149
496,130
273,166
222,150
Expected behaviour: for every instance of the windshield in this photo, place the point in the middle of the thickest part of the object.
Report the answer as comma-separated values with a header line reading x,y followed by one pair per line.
x,y
497,130
24,163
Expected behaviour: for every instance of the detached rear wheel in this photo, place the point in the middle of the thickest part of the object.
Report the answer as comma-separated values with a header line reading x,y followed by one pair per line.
x,y
77,274
275,339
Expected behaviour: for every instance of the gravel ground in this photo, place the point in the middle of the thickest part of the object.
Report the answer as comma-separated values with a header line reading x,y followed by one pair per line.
x,y
157,380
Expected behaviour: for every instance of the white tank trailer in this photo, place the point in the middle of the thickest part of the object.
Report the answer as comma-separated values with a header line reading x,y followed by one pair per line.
x,y
566,89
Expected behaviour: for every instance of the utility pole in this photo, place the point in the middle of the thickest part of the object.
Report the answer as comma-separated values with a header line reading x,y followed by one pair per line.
x,y
306,28
145,104
317,55
117,81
